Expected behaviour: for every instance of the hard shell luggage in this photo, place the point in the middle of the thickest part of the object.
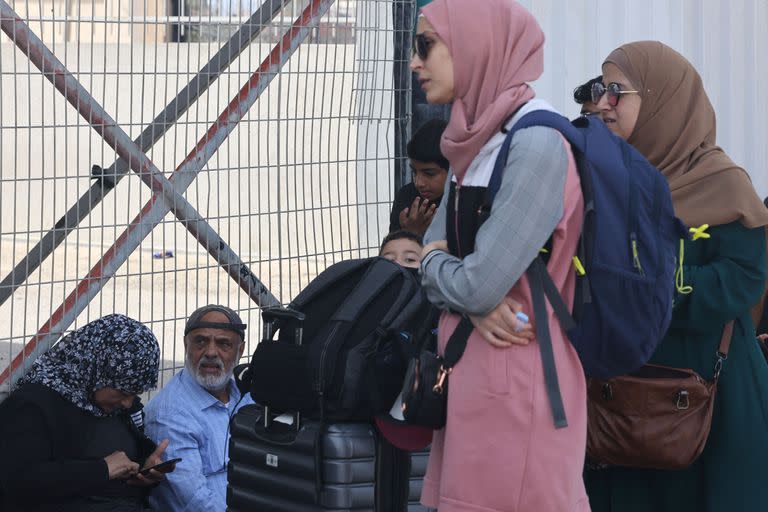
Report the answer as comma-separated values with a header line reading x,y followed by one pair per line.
x,y
418,470
278,473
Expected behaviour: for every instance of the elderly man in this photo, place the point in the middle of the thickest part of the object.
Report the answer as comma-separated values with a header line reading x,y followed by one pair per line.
x,y
193,411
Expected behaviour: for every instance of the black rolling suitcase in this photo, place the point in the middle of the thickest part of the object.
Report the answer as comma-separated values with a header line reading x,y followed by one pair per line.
x,y
275,469
417,472
288,464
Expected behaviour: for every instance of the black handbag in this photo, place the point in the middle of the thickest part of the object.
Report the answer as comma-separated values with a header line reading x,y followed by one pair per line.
x,y
425,388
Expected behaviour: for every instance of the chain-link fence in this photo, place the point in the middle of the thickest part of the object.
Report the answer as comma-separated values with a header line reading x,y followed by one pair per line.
x,y
159,156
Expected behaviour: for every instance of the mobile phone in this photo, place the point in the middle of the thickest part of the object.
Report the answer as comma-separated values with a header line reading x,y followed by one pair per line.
x,y
162,467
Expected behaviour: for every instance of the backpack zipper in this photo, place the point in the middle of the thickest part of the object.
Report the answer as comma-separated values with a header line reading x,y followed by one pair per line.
x,y
635,253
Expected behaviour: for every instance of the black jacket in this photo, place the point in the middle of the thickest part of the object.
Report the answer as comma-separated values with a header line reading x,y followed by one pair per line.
x,y
53,455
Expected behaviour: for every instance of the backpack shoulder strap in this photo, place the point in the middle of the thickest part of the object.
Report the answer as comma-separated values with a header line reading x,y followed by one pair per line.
x,y
536,273
552,120
536,118
407,302
553,296
377,277
327,279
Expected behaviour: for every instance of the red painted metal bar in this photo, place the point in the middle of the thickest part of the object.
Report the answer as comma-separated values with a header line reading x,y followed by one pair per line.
x,y
155,210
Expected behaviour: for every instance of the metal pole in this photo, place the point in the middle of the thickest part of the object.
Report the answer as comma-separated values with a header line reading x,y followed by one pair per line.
x,y
153,212
151,134
68,23
402,20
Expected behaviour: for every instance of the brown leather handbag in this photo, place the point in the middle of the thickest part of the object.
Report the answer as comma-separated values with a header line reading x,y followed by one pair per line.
x,y
656,418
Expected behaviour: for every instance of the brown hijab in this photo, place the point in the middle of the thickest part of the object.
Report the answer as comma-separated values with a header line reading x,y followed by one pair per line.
x,y
675,131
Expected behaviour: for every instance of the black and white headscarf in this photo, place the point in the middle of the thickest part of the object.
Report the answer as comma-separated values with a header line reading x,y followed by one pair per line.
x,y
114,351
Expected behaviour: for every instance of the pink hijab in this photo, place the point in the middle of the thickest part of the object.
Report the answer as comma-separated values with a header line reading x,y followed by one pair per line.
x,y
497,47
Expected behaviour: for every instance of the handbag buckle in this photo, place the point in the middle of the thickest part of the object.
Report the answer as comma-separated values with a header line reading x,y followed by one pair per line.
x,y
682,399
441,376
719,364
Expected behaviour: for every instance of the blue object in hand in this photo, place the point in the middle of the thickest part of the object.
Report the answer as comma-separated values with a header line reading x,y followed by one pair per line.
x,y
523,318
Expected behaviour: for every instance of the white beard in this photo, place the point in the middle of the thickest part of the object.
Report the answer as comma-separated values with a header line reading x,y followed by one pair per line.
x,y
210,382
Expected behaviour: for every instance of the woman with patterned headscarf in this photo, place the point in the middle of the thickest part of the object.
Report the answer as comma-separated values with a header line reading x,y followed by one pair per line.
x,y
67,439
655,100
500,449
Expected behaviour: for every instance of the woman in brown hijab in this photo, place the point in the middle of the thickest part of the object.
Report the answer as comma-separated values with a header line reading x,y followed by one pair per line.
x,y
659,106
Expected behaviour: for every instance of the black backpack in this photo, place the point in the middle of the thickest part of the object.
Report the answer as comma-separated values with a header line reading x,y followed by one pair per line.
x,y
350,364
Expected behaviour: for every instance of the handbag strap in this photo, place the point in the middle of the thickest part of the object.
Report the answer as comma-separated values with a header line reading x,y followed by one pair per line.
x,y
457,343
725,341
722,350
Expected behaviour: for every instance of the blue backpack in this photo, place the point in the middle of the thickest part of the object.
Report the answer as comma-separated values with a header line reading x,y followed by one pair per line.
x,y
626,255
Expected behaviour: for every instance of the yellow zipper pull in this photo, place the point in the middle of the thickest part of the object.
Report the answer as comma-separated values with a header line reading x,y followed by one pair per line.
x,y
580,270
700,232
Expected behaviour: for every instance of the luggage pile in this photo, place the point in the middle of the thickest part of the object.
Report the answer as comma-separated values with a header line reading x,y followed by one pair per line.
x,y
337,362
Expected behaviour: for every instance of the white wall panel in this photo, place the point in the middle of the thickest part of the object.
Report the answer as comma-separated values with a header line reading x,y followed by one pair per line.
x,y
727,41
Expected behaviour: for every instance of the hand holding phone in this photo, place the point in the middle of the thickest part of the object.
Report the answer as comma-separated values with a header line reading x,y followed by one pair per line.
x,y
164,467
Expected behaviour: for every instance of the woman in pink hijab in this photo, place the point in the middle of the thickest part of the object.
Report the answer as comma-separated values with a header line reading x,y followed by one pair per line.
x,y
500,449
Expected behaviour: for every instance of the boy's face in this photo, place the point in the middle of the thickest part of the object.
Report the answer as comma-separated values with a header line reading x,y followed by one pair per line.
x,y
403,252
429,179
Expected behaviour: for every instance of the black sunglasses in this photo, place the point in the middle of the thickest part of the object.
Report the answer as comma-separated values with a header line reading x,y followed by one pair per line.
x,y
613,90
422,43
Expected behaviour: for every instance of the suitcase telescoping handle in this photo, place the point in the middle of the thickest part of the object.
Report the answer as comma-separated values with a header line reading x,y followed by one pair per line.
x,y
281,316
275,318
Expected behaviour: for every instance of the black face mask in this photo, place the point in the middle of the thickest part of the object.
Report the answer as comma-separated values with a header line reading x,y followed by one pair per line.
x,y
414,271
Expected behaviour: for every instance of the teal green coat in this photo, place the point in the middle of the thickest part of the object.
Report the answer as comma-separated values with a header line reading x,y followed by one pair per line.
x,y
727,273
